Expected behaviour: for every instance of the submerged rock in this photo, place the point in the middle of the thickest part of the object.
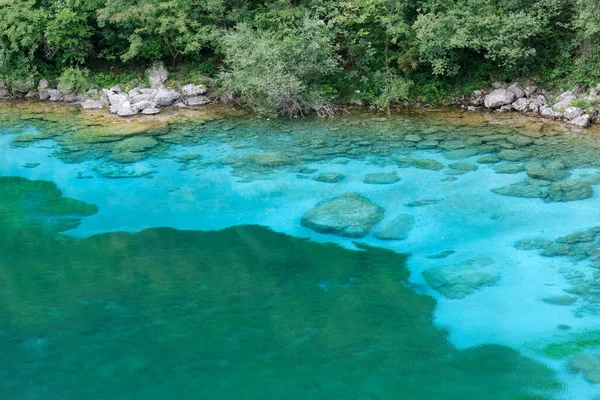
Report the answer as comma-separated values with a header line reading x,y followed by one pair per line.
x,y
422,202
557,249
548,174
588,364
460,280
508,168
559,300
381,178
31,165
532,244
396,229
136,144
270,159
349,214
427,164
463,167
441,254
488,159
328,177
571,190
581,236
513,155
520,189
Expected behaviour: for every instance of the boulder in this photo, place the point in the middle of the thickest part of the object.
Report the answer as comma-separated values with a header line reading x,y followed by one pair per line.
x,y
463,279
125,110
588,364
396,229
4,93
142,105
381,178
582,121
570,190
43,85
535,104
550,112
71,97
197,101
150,111
328,177
139,97
116,89
573,112
564,100
54,94
157,75
166,97
478,98
516,90
92,104
499,98
192,90
349,215
530,90
521,105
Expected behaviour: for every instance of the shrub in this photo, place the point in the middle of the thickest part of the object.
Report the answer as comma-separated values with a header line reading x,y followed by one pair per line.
x,y
74,79
281,72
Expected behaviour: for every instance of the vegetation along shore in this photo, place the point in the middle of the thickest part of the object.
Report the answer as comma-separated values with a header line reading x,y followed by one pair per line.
x,y
294,57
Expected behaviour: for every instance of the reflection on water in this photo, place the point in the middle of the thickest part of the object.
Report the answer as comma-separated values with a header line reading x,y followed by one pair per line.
x,y
241,313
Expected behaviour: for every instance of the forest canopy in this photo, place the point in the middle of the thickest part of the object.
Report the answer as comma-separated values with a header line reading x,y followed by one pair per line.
x,y
301,53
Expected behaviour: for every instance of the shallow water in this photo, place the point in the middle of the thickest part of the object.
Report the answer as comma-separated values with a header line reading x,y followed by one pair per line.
x,y
175,265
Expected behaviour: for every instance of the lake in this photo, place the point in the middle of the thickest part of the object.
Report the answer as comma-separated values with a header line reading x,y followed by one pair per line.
x,y
217,255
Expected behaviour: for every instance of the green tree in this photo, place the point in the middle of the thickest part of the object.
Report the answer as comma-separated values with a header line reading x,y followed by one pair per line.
x,y
280,72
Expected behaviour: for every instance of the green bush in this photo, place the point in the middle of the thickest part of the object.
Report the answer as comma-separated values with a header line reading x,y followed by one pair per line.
x,y
280,72
74,80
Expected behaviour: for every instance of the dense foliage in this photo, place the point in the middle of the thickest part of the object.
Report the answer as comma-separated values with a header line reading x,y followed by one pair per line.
x,y
290,56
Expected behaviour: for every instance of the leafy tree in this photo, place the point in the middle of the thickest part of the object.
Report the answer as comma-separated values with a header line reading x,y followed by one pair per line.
x,y
21,34
280,72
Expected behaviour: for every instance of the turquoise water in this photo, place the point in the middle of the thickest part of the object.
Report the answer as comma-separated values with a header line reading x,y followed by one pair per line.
x,y
174,265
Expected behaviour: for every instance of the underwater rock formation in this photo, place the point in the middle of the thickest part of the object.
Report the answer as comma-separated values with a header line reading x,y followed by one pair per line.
x,y
460,280
349,214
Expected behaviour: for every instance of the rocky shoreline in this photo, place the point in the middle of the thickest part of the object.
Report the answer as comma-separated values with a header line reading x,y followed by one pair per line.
x,y
150,100
576,106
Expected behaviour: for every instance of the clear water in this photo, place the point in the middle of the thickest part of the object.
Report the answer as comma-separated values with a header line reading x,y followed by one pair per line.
x,y
176,266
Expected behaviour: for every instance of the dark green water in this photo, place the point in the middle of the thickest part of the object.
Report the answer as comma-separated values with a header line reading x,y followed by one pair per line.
x,y
242,313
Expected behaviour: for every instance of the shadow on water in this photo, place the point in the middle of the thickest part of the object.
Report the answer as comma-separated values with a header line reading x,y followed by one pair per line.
x,y
242,313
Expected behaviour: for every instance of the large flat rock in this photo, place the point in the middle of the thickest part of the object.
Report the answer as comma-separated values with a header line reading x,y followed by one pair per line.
x,y
349,214
460,280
